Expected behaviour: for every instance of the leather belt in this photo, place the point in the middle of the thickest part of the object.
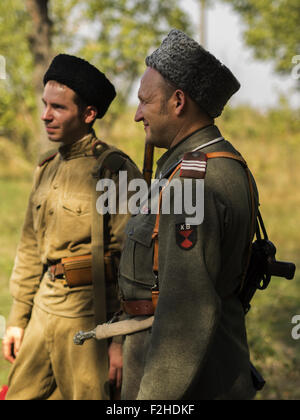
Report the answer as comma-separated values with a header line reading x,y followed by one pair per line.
x,y
72,271
56,273
138,307
56,270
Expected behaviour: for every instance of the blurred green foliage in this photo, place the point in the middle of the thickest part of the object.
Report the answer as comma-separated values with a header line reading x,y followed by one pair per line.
x,y
115,36
272,29
17,102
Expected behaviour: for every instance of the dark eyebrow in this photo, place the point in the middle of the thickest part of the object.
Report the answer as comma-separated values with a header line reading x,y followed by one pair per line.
x,y
54,104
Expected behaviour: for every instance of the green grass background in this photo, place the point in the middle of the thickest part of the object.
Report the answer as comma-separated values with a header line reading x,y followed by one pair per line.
x,y
270,142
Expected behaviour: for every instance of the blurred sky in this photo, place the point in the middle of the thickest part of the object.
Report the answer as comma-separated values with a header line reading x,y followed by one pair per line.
x,y
261,87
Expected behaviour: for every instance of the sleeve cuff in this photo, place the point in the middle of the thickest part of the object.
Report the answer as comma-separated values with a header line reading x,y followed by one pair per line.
x,y
19,314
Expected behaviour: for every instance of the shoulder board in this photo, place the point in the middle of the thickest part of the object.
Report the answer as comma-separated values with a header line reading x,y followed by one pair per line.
x,y
47,159
193,165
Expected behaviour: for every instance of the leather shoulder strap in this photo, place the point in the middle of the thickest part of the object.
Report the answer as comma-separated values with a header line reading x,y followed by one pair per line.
x,y
228,156
241,160
214,155
110,158
114,161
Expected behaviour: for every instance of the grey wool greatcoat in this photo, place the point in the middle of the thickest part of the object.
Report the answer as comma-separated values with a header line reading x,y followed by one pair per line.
x,y
197,348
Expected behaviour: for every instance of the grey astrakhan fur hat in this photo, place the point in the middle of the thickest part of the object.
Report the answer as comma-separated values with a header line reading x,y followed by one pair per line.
x,y
188,66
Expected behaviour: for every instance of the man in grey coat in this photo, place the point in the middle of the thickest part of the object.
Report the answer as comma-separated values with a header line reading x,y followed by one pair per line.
x,y
197,347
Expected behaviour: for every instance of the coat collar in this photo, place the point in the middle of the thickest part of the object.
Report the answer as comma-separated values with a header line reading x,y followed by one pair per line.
x,y
196,139
82,147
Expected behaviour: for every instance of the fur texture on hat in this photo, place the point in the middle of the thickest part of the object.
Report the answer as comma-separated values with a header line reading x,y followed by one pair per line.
x,y
188,66
86,80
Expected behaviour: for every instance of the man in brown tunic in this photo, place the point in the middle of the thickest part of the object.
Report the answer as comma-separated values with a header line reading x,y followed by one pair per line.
x,y
47,310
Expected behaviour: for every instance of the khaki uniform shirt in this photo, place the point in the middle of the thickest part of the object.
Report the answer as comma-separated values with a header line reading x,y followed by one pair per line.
x,y
58,225
197,348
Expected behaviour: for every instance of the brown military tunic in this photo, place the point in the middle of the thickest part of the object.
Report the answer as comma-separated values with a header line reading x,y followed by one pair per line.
x,y
58,225
197,347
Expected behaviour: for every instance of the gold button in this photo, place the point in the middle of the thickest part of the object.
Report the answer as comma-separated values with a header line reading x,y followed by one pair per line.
x,y
78,210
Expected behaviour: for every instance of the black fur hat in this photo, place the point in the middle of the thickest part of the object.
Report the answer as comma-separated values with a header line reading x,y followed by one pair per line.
x,y
87,81
188,66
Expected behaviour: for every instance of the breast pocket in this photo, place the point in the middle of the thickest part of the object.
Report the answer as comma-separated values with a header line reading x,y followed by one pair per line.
x,y
73,220
137,257
75,207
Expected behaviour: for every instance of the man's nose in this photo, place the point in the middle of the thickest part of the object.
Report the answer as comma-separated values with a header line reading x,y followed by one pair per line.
x,y
138,115
46,115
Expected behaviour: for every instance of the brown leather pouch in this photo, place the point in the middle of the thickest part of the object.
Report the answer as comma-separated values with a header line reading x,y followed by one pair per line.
x,y
78,270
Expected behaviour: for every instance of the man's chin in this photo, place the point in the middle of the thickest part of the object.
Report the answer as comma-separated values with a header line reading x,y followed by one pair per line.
x,y
152,142
54,138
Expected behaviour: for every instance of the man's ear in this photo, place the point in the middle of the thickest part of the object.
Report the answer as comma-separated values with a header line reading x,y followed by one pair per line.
x,y
90,114
180,101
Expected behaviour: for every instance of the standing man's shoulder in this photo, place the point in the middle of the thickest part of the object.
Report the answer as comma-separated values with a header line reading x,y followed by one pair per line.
x,y
44,162
110,158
